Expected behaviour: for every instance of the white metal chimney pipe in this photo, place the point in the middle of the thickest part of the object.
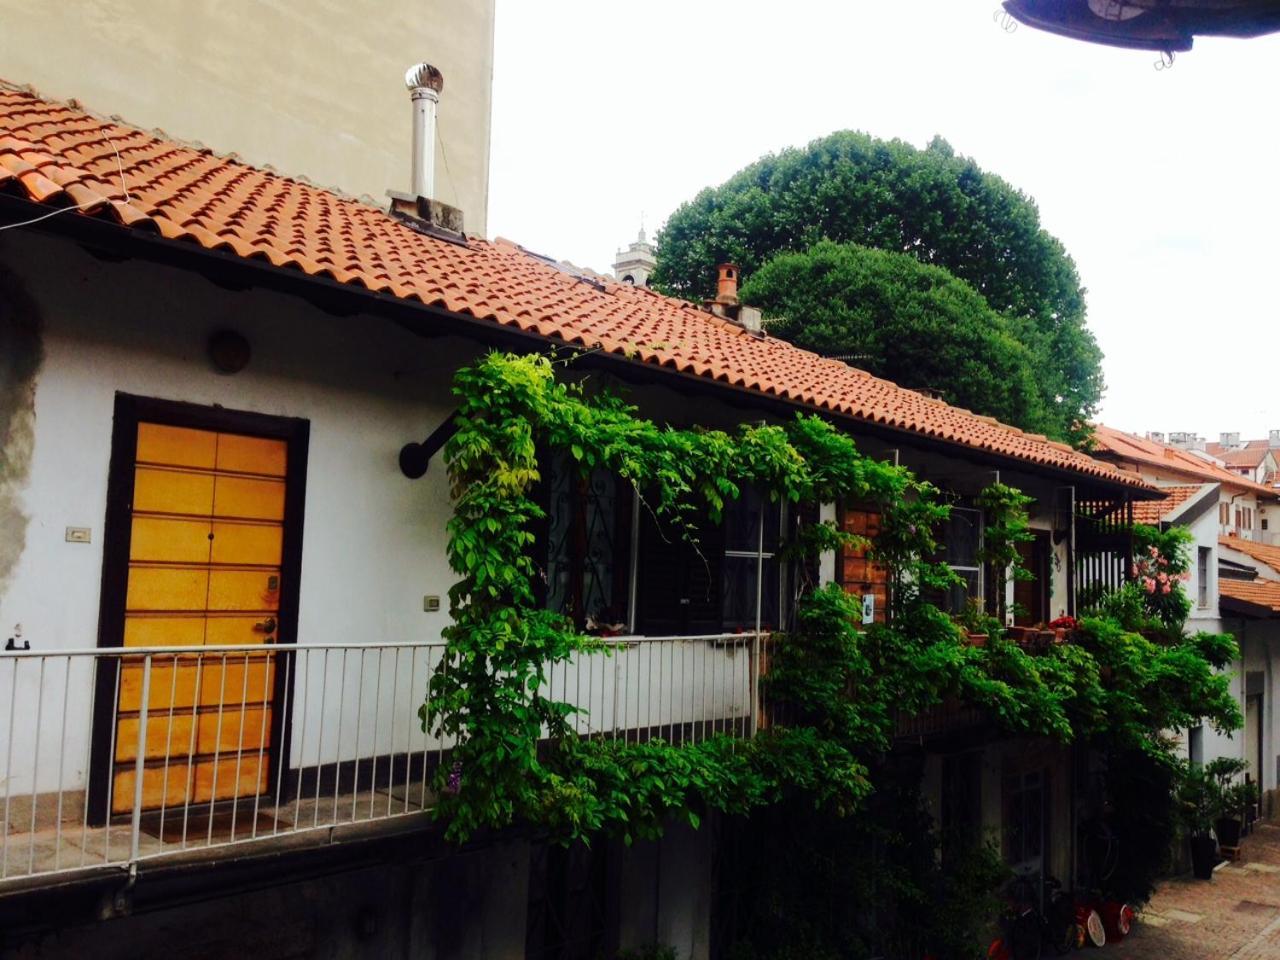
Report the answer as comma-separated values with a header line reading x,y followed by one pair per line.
x,y
425,83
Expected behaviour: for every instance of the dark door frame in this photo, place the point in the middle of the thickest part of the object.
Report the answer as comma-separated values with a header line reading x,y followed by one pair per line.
x,y
129,411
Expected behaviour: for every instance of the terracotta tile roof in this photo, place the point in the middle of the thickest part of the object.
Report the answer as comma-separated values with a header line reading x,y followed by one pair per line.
x,y
1258,593
1262,552
1116,445
1153,511
57,154
1250,455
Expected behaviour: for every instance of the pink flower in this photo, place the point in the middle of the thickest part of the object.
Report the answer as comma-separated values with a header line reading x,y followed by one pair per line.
x,y
1166,588
1153,551
1163,562
1162,577
1149,585
1133,570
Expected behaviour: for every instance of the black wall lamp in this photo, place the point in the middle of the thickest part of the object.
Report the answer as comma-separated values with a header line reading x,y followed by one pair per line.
x,y
415,458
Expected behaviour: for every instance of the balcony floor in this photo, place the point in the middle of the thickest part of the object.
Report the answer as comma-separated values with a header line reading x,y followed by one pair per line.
x,y
49,851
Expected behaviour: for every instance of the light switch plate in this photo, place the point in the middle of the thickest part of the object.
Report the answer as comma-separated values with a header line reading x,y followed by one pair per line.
x,y
430,604
77,534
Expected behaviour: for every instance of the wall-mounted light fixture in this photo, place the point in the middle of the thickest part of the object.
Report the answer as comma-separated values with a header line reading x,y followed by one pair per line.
x,y
229,351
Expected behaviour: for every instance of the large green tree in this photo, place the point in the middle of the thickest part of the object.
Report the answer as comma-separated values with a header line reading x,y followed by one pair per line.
x,y
941,208
916,325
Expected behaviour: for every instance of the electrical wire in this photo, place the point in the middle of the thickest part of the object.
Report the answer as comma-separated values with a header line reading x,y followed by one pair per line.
x,y
80,206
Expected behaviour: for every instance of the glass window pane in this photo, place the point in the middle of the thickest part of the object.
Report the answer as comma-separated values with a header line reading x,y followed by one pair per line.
x,y
582,544
739,598
742,523
960,537
961,593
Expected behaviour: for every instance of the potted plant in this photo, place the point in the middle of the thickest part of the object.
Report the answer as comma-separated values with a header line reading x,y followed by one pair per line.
x,y
1198,806
1232,798
976,625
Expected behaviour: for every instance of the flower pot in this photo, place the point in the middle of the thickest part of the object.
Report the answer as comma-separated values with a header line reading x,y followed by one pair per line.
x,y
1117,918
1019,635
1228,830
976,639
1204,856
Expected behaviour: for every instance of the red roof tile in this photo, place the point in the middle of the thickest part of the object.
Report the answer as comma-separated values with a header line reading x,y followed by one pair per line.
x,y
1116,445
1258,593
55,153
1151,512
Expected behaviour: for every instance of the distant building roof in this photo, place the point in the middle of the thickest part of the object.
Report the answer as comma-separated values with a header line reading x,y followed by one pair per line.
x,y
1250,455
57,155
1116,445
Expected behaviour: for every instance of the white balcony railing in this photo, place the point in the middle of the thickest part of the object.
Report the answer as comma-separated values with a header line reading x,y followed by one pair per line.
x,y
111,757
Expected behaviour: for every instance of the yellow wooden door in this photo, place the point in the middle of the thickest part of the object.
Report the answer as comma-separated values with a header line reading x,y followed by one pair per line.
x,y
204,569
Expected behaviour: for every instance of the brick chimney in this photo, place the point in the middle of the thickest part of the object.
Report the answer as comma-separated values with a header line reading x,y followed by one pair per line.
x,y
727,283
726,303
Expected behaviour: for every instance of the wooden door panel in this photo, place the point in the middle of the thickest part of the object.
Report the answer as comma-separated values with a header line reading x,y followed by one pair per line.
x,y
231,629
176,446
259,455
237,682
244,590
170,540
162,631
235,730
167,588
164,731
164,490
251,779
168,690
240,543
154,793
248,498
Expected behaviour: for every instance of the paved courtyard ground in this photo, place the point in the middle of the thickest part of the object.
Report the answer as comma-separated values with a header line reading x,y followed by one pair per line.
x,y
1236,916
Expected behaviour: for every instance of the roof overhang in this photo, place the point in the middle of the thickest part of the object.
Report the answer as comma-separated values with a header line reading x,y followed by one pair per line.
x,y
1164,25
110,240
1246,609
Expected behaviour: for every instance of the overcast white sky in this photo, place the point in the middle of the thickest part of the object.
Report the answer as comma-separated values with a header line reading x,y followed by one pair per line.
x,y
1164,185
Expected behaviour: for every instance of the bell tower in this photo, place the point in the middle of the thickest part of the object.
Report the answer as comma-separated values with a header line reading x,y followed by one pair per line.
x,y
634,264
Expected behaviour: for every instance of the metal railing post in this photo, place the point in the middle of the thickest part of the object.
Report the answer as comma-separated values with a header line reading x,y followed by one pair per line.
x,y
136,827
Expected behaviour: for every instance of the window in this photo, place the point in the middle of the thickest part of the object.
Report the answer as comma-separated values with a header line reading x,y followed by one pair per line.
x,y
1203,557
587,535
1263,521
1224,514
961,538
683,589
742,541
1025,809
1195,745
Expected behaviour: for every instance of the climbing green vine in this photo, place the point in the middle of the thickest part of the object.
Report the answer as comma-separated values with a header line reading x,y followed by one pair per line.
x,y
836,688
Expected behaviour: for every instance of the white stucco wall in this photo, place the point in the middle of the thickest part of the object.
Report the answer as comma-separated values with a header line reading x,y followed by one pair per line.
x,y
373,541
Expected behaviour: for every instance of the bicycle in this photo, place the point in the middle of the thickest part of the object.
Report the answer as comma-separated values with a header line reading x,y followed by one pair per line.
x,y
1025,929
